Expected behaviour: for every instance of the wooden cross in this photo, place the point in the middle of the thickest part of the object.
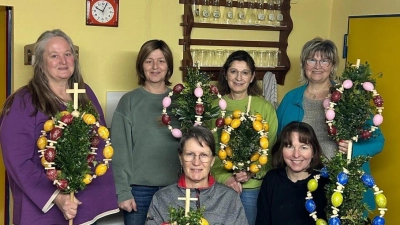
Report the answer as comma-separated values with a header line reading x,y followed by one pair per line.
x,y
187,199
357,65
76,91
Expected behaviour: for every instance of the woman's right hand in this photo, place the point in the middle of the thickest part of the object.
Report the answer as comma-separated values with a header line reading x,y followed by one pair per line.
x,y
68,208
235,185
128,205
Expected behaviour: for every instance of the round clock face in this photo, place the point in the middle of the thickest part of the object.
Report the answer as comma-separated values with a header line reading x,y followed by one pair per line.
x,y
102,11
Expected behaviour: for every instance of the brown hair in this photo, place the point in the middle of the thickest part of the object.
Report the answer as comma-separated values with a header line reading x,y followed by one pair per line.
x,y
145,51
202,135
306,135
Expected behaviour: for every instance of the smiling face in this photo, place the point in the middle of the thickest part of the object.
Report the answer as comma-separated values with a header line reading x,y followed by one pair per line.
x,y
239,77
297,156
155,67
196,161
59,64
318,73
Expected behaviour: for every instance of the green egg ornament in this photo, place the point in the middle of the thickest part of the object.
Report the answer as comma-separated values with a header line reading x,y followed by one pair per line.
x,y
312,185
337,199
321,222
381,200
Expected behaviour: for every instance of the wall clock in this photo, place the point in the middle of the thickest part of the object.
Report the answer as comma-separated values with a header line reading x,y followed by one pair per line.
x,y
102,12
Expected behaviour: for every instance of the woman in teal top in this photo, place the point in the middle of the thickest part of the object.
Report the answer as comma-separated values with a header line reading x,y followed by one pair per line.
x,y
238,86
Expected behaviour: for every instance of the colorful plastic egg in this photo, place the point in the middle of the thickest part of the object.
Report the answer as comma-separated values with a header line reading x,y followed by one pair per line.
x,y
198,92
222,104
324,172
337,199
381,200
378,119
342,178
321,222
334,221
312,185
166,102
176,133
310,205
368,180
326,103
330,114
347,84
368,86
378,220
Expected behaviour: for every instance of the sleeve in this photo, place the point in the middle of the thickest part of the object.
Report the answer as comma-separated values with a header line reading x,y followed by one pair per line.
x,y
121,137
263,203
241,218
18,142
154,216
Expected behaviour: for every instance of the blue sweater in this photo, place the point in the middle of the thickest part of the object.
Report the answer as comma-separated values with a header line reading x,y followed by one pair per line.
x,y
291,109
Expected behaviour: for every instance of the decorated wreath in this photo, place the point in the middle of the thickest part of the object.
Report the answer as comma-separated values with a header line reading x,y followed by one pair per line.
x,y
193,217
349,105
244,142
345,193
68,147
191,103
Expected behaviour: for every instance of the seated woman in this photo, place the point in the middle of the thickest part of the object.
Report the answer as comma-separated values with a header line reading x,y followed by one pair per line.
x,y
222,204
295,157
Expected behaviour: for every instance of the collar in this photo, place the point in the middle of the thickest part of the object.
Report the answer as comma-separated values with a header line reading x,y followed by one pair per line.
x,y
182,182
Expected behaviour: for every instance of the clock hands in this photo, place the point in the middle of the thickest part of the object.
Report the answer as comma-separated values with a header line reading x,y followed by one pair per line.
x,y
105,7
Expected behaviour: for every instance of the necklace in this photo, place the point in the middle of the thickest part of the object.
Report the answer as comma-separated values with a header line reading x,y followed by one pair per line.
x,y
314,96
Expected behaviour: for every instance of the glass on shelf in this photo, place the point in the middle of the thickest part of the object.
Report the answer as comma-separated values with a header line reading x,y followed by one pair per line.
x,y
261,61
260,14
196,10
251,14
270,13
269,57
229,16
219,57
215,11
241,14
205,11
278,12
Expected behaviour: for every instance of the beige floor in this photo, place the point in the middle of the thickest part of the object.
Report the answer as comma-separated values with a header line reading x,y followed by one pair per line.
x,y
115,219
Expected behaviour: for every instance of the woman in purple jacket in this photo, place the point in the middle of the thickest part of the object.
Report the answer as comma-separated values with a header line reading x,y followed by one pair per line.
x,y
36,199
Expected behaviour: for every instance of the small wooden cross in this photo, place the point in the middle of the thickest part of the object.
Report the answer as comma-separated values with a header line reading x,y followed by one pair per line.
x,y
187,199
76,91
357,65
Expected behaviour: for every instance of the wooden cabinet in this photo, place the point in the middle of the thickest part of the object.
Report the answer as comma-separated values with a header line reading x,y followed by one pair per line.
x,y
187,42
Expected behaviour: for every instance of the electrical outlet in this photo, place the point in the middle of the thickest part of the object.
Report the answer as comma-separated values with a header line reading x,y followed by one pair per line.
x,y
293,1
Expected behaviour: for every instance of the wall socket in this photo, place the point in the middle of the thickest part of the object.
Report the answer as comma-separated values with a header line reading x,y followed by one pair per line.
x,y
293,1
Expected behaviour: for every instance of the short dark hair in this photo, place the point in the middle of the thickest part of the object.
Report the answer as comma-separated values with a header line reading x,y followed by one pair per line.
x,y
203,136
145,51
239,55
306,135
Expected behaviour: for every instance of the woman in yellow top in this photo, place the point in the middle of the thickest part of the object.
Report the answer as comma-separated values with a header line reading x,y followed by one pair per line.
x,y
239,88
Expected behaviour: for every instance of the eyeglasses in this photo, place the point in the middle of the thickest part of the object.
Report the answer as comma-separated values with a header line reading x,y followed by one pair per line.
x,y
190,156
234,73
322,62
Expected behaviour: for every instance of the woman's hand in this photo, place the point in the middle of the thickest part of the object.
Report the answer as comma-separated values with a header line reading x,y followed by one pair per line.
x,y
128,205
343,146
68,208
243,176
234,184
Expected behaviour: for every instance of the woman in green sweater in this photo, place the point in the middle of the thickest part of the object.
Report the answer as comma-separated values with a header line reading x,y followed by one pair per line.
x,y
238,85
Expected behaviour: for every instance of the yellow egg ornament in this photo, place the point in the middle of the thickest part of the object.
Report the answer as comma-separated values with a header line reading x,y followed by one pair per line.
x,y
222,154
236,114
255,157
108,152
225,137
254,168
203,221
258,117
263,159
264,142
228,120
381,200
257,125
41,142
89,119
87,179
101,169
228,151
235,123
48,125
337,199
103,132
228,165
312,185
321,222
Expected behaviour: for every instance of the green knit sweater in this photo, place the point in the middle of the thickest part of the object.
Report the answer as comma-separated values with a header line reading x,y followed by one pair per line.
x,y
145,150
258,105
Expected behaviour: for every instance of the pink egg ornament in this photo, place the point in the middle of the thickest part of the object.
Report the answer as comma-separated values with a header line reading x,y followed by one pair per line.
x,y
368,86
330,114
326,103
378,119
166,102
176,133
198,92
222,104
347,84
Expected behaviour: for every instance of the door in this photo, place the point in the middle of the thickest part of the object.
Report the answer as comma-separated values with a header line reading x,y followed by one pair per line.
x,y
376,39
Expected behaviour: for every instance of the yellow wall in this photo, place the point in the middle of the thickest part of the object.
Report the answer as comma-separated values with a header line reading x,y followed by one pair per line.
x,y
2,99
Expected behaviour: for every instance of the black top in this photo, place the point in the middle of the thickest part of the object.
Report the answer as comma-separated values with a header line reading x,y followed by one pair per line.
x,y
282,202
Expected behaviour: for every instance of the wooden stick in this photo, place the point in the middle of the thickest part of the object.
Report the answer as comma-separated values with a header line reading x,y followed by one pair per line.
x,y
71,221
349,151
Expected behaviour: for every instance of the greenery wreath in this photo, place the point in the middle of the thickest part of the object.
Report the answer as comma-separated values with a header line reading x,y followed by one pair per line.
x,y
194,217
191,103
244,142
349,105
352,209
68,145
